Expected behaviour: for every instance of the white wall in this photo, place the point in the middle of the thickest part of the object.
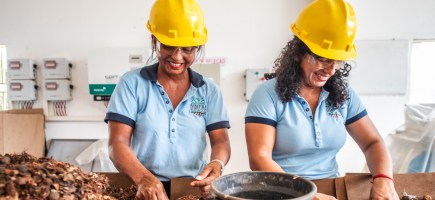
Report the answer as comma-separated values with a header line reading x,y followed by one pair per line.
x,y
385,20
249,33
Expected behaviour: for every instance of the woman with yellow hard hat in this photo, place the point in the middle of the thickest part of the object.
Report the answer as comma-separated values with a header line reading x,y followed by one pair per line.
x,y
297,121
158,115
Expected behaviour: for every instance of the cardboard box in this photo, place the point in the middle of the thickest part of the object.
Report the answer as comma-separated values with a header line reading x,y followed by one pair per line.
x,y
355,186
418,184
179,186
22,130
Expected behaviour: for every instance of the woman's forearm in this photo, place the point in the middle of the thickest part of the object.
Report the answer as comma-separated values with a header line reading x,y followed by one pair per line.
x,y
221,151
127,163
378,159
263,163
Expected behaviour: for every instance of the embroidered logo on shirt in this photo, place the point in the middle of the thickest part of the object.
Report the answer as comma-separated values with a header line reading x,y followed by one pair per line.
x,y
198,107
332,113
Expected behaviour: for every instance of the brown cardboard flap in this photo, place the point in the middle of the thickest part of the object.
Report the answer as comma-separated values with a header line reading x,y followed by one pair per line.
x,y
23,111
118,180
340,188
418,184
23,132
181,187
325,186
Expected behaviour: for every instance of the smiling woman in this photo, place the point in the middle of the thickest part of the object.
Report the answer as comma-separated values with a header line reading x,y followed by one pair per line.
x,y
157,111
297,121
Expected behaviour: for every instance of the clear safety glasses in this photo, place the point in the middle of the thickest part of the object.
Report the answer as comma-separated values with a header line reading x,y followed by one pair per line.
x,y
324,63
170,50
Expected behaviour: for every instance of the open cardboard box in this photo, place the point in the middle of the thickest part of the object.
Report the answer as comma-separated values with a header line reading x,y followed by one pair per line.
x,y
355,186
22,130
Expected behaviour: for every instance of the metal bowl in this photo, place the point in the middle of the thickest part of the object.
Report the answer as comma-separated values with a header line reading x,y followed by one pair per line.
x,y
263,185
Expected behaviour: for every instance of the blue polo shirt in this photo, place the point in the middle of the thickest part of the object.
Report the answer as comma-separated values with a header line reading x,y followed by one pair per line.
x,y
168,142
305,144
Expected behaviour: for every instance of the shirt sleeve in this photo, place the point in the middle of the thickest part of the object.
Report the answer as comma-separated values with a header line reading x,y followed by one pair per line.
x,y
123,104
217,115
355,108
261,108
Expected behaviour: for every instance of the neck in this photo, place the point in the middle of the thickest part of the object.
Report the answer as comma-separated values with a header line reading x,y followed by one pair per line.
x,y
307,90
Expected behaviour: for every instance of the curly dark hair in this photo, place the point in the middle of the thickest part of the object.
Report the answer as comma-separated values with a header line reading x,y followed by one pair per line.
x,y
289,73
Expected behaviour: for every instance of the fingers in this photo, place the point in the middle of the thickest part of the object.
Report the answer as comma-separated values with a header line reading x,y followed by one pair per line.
x,y
205,172
156,192
205,189
208,174
161,193
206,181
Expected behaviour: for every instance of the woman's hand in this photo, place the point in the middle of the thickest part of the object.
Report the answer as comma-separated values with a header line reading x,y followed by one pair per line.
x,y
383,188
210,172
320,196
151,188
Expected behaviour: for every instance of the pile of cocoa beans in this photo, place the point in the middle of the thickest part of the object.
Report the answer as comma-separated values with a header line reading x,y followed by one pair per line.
x,y
23,176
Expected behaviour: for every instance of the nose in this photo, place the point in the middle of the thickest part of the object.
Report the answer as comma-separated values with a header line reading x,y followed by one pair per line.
x,y
177,55
330,70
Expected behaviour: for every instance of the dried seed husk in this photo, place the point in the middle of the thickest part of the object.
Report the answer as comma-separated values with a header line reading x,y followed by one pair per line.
x,y
5,159
54,195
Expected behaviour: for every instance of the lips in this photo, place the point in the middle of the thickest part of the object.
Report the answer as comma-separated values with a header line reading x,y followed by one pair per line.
x,y
175,65
321,77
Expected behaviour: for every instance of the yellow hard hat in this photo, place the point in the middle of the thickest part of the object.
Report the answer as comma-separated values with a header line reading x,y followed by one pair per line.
x,y
178,23
328,28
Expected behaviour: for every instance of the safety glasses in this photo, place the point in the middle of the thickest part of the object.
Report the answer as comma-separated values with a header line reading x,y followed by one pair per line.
x,y
170,50
324,63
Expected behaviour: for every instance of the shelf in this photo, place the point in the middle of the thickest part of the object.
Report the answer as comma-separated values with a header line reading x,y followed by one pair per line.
x,y
74,119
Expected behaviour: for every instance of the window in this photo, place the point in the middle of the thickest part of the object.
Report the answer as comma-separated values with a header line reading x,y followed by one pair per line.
x,y
422,83
3,83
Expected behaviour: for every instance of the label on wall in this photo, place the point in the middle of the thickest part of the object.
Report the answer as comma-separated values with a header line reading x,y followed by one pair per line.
x,y
212,60
113,79
101,89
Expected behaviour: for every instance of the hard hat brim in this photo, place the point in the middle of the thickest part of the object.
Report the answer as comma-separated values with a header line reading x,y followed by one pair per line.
x,y
331,53
180,42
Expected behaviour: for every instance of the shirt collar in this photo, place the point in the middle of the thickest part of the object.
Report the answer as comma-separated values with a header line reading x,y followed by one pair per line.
x,y
323,95
150,73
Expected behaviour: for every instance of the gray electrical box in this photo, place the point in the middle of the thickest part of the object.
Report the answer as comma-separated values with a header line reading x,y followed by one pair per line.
x,y
210,71
254,78
21,69
57,90
57,68
22,90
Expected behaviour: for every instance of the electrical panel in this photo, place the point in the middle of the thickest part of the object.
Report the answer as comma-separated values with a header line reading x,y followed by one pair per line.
x,y
22,90
254,78
21,69
57,90
57,68
107,65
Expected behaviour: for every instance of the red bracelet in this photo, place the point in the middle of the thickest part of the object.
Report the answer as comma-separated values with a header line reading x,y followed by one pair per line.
x,y
383,176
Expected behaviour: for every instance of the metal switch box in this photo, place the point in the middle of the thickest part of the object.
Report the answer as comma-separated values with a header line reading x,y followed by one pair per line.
x,y
57,68
254,78
22,90
21,69
57,90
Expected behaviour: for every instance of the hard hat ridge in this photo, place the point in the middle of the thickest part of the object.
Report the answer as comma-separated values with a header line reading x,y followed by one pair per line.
x,y
328,28
178,23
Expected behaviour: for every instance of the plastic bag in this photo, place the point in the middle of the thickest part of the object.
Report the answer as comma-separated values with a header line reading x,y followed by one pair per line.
x,y
412,145
99,152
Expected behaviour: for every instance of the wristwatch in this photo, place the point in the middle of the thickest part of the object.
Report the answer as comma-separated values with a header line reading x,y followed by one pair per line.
x,y
222,164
